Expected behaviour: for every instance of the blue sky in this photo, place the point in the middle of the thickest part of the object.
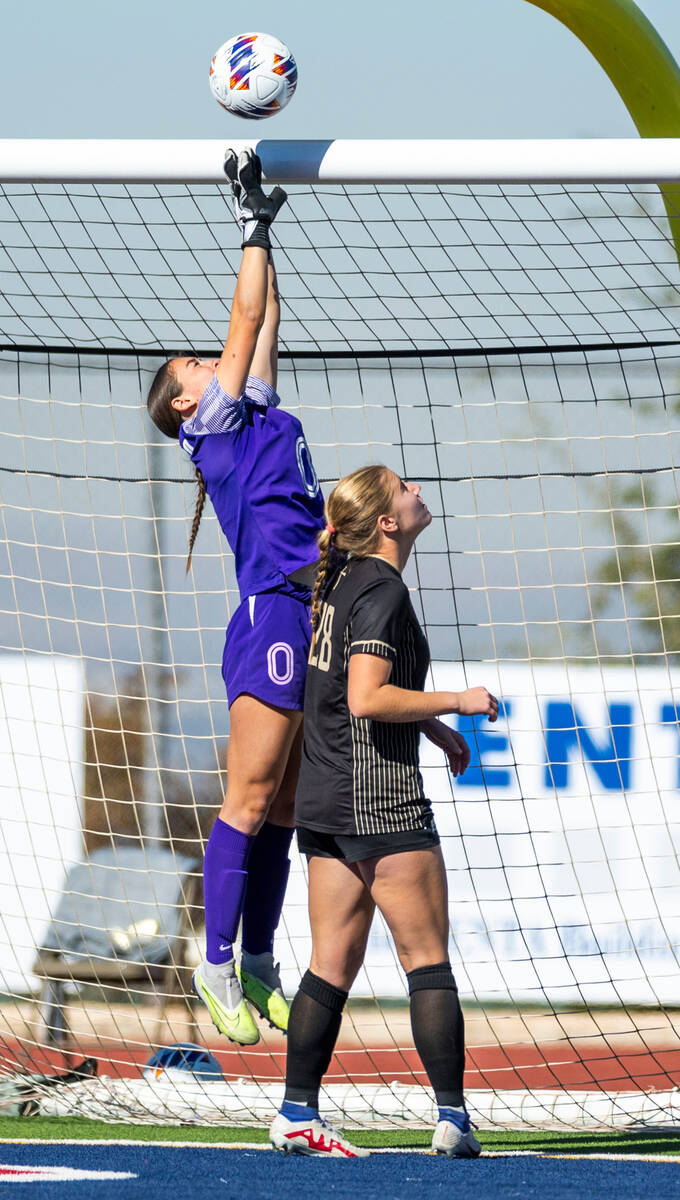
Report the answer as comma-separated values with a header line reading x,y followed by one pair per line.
x,y
488,68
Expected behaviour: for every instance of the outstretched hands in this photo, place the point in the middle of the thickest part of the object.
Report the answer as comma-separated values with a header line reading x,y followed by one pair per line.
x,y
253,210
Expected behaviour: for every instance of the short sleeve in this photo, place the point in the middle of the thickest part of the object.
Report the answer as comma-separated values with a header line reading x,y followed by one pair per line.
x,y
259,392
217,412
378,618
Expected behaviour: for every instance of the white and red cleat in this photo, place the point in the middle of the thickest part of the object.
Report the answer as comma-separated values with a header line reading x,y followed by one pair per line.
x,y
456,1141
311,1137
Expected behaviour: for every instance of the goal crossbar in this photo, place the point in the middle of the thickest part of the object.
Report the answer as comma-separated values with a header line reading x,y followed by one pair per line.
x,y
629,160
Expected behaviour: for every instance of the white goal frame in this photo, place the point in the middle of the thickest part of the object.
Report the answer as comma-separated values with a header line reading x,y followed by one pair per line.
x,y
620,160
366,164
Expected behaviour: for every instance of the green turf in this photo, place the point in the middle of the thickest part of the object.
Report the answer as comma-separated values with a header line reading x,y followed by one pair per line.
x,y
557,1142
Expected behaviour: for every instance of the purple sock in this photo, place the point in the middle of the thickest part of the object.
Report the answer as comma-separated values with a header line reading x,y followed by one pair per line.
x,y
267,878
225,875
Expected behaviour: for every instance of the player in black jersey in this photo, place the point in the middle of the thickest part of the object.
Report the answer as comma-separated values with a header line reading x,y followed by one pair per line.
x,y
361,814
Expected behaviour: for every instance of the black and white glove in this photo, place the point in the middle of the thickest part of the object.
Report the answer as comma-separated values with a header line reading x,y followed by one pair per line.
x,y
253,210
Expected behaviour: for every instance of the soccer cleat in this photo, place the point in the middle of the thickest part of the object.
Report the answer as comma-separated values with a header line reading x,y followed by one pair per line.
x,y
456,1141
261,984
311,1137
220,991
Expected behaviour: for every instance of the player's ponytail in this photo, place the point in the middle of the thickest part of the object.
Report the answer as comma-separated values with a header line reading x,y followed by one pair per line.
x,y
164,389
325,544
198,512
352,512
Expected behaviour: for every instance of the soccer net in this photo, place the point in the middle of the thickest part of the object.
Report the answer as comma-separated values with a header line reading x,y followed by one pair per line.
x,y
516,349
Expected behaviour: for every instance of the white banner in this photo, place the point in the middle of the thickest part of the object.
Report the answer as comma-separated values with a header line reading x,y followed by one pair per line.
x,y
561,841
41,779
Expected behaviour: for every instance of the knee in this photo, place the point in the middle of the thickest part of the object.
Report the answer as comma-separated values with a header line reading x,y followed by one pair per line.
x,y
247,808
414,954
340,972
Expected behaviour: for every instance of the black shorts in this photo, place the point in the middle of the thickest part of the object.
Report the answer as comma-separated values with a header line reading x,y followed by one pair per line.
x,y
355,847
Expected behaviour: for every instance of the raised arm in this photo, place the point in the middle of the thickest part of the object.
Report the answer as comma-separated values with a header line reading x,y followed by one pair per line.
x,y
266,357
248,311
252,340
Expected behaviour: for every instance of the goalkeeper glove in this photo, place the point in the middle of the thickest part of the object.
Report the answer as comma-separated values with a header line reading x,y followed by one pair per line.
x,y
253,210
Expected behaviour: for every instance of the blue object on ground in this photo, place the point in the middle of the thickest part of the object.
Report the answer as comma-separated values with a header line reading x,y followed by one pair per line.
x,y
185,1056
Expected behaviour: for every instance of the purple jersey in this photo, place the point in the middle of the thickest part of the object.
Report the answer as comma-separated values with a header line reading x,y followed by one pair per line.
x,y
259,475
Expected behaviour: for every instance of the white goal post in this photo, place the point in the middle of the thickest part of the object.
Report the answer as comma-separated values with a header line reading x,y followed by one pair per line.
x,y
422,160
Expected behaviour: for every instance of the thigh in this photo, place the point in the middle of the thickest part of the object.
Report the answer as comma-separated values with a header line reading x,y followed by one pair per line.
x,y
282,811
340,914
410,891
261,739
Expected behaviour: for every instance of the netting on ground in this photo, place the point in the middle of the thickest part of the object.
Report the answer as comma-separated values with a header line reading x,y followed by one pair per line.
x,y
549,573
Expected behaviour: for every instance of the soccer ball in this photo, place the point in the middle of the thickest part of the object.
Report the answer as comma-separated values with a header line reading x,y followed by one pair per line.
x,y
253,75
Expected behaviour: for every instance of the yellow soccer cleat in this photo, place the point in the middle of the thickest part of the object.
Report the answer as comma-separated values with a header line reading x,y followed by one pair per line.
x,y
220,991
261,984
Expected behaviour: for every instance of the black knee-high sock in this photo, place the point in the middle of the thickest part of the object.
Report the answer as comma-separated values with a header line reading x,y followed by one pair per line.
x,y
313,1027
439,1030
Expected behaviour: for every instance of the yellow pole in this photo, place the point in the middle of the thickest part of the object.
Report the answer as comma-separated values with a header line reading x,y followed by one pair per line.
x,y
640,66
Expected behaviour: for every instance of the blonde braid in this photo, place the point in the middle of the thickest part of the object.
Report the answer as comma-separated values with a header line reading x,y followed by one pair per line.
x,y
324,542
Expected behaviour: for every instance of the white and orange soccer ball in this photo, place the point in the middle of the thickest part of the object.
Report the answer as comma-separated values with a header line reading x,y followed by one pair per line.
x,y
253,75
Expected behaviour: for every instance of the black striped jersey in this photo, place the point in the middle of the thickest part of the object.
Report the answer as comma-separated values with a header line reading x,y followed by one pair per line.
x,y
360,776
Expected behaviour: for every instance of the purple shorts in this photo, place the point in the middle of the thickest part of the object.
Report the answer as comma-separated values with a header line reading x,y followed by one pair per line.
x,y
267,646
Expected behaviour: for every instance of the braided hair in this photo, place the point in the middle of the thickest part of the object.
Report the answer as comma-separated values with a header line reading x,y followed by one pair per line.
x,y
164,389
324,542
198,513
352,512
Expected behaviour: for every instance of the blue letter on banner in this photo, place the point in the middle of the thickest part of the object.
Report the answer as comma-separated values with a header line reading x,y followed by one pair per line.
x,y
670,715
484,739
565,733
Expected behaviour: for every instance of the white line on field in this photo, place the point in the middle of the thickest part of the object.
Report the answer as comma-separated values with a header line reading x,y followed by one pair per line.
x,y
606,1156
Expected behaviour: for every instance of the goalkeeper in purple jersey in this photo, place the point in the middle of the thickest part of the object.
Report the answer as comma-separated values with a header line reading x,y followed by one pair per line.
x,y
252,460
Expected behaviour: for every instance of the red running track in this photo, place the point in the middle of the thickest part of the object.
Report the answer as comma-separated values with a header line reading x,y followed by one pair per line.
x,y
551,1065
